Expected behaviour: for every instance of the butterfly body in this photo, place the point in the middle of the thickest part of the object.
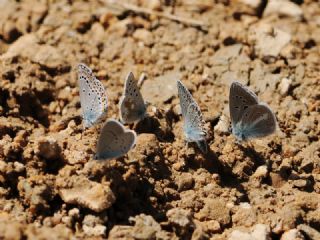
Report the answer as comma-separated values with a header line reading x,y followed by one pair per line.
x,y
249,118
114,140
191,113
132,105
93,98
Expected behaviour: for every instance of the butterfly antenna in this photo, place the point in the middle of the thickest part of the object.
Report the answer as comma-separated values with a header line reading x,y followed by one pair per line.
x,y
142,78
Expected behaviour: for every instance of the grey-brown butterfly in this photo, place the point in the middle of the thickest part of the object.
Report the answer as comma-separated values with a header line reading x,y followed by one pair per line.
x,y
132,105
249,117
114,140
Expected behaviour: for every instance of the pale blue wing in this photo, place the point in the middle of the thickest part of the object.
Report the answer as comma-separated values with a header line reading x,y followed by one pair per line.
x,y
193,124
114,141
185,98
132,105
93,97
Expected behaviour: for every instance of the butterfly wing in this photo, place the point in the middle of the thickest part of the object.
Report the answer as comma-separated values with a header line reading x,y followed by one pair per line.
x,y
114,141
193,124
185,98
132,106
240,98
93,97
257,121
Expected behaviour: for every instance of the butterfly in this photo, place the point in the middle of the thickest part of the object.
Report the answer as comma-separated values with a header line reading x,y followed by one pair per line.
x,y
249,118
93,98
192,118
114,140
132,105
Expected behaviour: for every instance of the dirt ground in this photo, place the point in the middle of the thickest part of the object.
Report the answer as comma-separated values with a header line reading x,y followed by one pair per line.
x,y
50,186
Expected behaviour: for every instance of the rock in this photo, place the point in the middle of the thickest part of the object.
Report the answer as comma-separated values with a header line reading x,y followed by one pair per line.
x,y
309,231
147,146
252,3
144,36
145,227
261,232
267,40
214,209
283,7
58,232
29,46
86,193
185,181
261,172
179,217
223,125
93,226
284,86
48,148
292,234
161,89
225,54
236,234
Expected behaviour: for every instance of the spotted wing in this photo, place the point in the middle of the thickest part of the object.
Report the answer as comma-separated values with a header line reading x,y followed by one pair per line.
x,y
132,106
185,98
93,97
240,98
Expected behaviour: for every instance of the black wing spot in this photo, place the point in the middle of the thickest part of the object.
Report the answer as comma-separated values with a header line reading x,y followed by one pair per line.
x,y
245,107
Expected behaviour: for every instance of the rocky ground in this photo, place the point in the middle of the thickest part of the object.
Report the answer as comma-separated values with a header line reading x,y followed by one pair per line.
x,y
50,186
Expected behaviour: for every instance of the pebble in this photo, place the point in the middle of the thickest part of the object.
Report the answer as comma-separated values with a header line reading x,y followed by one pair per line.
x,y
83,192
28,46
185,181
48,148
284,86
268,41
223,125
160,89
292,234
180,217
283,7
143,35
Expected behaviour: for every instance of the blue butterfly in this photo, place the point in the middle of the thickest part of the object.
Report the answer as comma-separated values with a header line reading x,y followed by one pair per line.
x,y
191,113
93,98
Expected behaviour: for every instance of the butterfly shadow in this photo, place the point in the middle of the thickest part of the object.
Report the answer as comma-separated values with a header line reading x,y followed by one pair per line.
x,y
133,184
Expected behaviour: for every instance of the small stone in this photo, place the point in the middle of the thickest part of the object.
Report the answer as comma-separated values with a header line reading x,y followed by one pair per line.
x,y
161,89
261,172
292,234
309,231
251,3
179,217
185,181
145,227
261,232
143,35
283,7
28,46
236,234
284,86
86,193
267,40
93,226
223,125
214,209
48,148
